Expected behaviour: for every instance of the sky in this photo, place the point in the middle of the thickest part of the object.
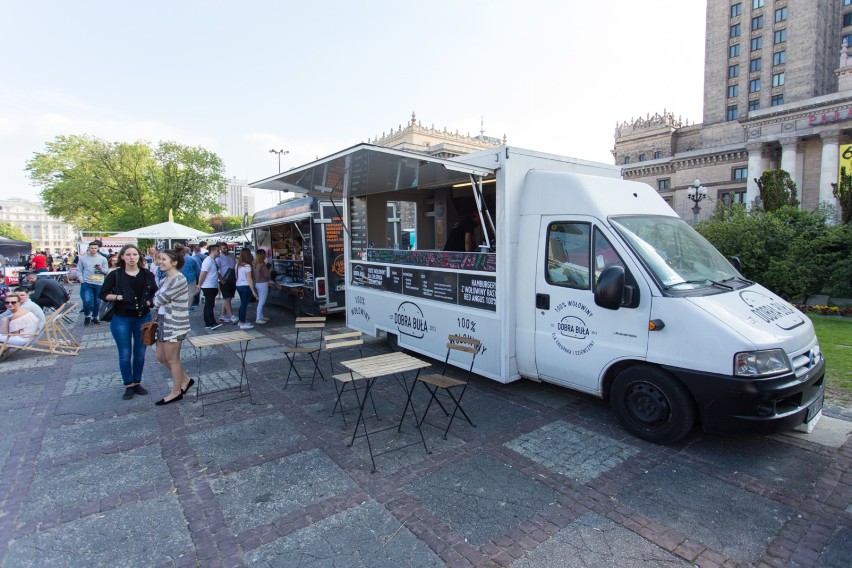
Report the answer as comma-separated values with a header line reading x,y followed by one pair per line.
x,y
312,78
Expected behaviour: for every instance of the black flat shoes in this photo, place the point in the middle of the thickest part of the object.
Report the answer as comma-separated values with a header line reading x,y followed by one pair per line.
x,y
188,386
163,400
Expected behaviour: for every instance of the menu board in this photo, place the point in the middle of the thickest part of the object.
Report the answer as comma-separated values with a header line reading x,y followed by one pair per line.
x,y
486,262
478,291
430,284
388,278
358,226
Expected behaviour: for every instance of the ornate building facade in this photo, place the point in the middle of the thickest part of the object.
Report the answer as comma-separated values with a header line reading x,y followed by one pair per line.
x,y
777,95
43,231
414,137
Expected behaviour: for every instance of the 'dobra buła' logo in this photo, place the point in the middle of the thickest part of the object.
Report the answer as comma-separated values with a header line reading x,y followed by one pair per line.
x,y
410,321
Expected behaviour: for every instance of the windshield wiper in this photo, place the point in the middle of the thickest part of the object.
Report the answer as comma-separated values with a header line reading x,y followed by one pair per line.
x,y
699,281
746,280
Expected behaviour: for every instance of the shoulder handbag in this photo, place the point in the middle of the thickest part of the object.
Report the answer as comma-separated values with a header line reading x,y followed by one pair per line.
x,y
149,333
107,308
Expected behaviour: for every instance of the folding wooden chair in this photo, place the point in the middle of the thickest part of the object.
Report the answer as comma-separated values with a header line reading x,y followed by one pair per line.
x,y
313,350
54,337
442,382
347,378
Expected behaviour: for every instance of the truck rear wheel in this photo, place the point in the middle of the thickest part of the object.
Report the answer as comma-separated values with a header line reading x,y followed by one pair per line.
x,y
652,405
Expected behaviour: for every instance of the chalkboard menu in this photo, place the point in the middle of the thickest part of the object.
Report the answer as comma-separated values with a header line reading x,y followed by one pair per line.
x,y
472,290
358,226
486,262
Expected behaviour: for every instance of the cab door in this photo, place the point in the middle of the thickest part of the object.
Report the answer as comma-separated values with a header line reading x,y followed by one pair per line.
x,y
575,340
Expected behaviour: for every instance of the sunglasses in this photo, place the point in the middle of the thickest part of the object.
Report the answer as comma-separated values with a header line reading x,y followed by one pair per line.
x,y
8,303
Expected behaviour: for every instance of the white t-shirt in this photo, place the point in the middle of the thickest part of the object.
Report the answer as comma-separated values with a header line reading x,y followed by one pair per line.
x,y
243,271
212,278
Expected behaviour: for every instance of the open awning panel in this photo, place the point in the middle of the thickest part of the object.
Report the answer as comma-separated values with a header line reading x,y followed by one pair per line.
x,y
374,169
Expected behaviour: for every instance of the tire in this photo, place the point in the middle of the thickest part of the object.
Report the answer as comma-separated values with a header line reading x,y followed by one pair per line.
x,y
652,405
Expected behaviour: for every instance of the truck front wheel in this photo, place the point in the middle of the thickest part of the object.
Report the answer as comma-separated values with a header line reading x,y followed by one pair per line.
x,y
652,405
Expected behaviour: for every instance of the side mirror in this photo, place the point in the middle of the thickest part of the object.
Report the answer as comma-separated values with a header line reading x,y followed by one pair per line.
x,y
735,262
609,289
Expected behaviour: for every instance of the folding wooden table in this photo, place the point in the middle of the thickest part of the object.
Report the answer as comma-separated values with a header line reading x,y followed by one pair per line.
x,y
199,342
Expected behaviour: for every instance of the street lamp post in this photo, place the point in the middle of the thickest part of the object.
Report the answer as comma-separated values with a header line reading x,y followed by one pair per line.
x,y
696,193
280,153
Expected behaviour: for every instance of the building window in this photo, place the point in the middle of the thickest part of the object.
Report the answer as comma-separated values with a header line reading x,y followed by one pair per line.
x,y
739,174
733,196
847,38
735,31
733,112
755,65
847,2
847,19
777,100
779,58
733,71
626,159
778,80
733,91
664,184
734,50
658,154
756,43
781,14
754,86
756,23
736,10
642,157
755,4
754,104
780,36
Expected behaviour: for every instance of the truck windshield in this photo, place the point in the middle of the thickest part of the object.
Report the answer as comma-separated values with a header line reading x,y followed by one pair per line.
x,y
678,257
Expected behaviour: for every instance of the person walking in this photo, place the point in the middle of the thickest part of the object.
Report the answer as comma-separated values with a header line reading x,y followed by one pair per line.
x,y
227,283
261,285
191,270
172,302
131,287
245,286
209,279
91,271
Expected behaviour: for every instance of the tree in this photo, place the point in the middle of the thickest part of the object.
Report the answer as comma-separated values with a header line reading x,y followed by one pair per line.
x,y
777,189
117,186
221,223
843,192
12,232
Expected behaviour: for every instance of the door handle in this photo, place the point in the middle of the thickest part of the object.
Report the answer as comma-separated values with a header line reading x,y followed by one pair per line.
x,y
542,301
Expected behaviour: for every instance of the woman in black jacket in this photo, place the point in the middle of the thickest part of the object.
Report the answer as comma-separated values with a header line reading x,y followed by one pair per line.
x,y
132,288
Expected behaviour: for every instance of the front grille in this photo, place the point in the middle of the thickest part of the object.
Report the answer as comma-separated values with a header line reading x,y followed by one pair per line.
x,y
806,360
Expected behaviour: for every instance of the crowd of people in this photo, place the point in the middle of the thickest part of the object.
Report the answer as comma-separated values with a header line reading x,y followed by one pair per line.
x,y
163,286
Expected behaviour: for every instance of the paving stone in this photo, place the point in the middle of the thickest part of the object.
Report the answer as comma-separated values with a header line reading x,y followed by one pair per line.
x,y
79,438
794,468
261,494
224,444
106,399
571,450
20,363
542,393
89,383
20,395
15,420
838,551
593,541
365,536
720,516
481,497
147,533
94,478
490,413
6,442
270,354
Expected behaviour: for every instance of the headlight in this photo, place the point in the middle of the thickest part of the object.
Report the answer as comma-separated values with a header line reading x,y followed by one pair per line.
x,y
761,363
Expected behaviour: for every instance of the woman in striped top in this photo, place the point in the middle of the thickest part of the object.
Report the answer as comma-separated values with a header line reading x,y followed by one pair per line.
x,y
171,301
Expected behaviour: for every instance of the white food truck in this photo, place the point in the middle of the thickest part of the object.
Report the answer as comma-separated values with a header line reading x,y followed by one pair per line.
x,y
580,279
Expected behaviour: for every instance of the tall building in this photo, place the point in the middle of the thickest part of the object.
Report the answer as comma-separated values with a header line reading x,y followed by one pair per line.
x,y
43,231
415,137
238,198
777,95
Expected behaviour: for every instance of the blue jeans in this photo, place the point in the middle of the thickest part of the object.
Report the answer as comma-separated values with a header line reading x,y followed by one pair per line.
x,y
127,333
91,301
245,297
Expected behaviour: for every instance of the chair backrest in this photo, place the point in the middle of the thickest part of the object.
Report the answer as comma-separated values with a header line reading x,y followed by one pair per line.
x,y
342,341
310,323
463,345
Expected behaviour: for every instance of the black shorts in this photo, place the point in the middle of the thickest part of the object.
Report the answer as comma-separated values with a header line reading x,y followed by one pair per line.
x,y
228,290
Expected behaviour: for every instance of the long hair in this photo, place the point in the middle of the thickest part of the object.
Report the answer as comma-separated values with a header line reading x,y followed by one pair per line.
x,y
246,257
260,257
121,263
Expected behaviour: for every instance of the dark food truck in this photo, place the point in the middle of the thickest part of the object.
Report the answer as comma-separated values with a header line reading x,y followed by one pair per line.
x,y
303,240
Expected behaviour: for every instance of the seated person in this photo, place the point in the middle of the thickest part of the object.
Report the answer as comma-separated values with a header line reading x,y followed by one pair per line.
x,y
23,295
18,328
46,292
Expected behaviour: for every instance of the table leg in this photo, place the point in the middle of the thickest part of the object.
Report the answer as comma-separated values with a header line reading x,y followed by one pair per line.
x,y
414,412
362,422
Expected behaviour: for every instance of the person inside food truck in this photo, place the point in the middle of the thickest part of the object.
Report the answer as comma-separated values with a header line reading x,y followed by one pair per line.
x,y
462,236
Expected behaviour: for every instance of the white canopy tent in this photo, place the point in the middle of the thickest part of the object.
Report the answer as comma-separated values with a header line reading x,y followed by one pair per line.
x,y
166,231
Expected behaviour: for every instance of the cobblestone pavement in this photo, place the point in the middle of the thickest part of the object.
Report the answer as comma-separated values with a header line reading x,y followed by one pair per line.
x,y
546,478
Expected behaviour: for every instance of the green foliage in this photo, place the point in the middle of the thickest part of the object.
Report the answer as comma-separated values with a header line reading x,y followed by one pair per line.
x,y
222,223
833,334
11,232
794,253
777,189
118,186
843,192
